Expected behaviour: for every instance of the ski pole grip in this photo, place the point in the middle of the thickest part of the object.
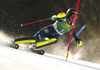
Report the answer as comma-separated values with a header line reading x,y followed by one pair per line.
x,y
21,25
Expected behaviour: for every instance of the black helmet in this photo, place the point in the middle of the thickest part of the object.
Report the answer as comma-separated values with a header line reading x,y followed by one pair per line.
x,y
70,11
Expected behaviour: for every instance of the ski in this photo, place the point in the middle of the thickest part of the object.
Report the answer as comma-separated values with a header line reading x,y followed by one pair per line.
x,y
73,38
16,46
41,52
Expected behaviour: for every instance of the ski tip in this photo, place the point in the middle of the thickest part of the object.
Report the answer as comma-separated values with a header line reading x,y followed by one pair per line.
x,y
42,52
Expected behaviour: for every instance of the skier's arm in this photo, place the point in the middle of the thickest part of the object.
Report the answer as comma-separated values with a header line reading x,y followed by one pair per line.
x,y
79,41
59,17
74,34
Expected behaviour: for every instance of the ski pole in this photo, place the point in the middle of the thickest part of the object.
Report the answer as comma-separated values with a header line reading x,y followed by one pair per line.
x,y
35,22
75,52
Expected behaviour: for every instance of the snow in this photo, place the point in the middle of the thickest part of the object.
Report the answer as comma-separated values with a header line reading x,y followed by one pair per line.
x,y
14,59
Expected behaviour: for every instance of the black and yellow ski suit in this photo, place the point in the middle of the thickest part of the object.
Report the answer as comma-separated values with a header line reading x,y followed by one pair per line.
x,y
53,32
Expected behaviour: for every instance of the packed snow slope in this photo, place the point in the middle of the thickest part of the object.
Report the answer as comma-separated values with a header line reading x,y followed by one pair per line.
x,y
13,13
15,59
19,59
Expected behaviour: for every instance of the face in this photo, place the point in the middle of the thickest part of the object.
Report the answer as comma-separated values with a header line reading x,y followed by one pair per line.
x,y
71,18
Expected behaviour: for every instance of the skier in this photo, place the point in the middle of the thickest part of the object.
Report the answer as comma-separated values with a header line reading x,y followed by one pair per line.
x,y
52,32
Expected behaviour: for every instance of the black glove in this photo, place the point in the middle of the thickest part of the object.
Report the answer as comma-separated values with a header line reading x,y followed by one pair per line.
x,y
77,39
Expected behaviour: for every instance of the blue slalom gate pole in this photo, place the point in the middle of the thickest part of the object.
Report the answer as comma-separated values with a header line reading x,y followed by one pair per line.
x,y
73,39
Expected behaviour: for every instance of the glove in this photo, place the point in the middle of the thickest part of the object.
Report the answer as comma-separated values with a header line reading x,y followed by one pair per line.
x,y
79,41
53,17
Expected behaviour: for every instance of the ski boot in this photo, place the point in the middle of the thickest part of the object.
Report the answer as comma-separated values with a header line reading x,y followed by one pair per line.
x,y
33,46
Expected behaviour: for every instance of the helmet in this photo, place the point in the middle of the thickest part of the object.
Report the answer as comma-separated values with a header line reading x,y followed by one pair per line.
x,y
70,11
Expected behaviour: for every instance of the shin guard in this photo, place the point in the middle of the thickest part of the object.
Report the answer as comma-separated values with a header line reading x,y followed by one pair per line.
x,y
25,40
44,43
